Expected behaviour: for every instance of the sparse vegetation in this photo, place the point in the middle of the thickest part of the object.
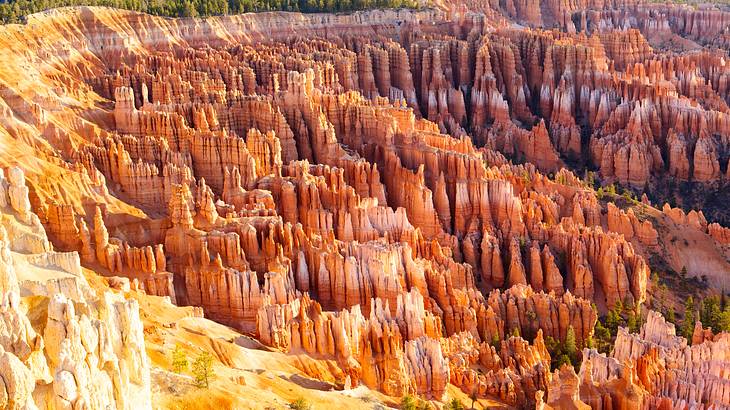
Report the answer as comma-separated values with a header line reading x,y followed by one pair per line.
x,y
202,369
629,196
715,313
601,338
611,189
688,322
670,316
590,179
454,404
659,294
409,402
179,360
712,312
496,342
565,352
526,177
673,284
622,314
300,404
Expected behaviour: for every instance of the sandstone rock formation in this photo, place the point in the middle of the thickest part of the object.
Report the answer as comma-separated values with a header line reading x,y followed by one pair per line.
x,y
386,192
656,368
91,351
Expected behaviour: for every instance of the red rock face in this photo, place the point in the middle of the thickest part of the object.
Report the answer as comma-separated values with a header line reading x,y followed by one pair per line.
x,y
391,190
515,372
639,366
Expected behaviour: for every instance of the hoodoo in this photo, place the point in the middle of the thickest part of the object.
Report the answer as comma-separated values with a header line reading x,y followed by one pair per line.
x,y
409,207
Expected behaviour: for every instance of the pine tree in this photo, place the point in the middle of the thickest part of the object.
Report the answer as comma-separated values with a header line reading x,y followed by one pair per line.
x,y
631,322
612,321
188,10
602,337
203,370
671,317
563,359
179,360
688,324
662,295
571,349
656,288
723,324
710,312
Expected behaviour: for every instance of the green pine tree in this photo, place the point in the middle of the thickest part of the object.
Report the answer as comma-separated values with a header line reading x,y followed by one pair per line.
x,y
723,324
612,321
688,323
563,359
203,370
710,312
671,317
571,348
603,339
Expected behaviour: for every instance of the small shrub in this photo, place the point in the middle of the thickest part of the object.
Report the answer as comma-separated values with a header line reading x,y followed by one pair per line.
x,y
563,359
496,342
407,402
454,404
300,404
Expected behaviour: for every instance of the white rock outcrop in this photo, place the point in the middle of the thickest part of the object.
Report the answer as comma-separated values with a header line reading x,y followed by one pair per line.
x,y
91,354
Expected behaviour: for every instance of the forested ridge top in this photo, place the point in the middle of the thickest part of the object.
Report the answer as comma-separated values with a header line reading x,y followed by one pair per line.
x,y
14,11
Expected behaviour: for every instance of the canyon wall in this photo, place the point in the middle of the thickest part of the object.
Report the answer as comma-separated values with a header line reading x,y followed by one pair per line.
x,y
387,190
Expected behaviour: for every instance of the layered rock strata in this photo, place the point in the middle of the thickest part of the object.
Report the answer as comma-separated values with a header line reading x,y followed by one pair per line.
x,y
386,190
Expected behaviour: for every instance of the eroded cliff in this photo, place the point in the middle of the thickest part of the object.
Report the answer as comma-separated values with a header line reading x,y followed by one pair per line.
x,y
385,194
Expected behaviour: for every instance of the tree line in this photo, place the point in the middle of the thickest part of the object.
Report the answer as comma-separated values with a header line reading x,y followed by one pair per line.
x,y
14,11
